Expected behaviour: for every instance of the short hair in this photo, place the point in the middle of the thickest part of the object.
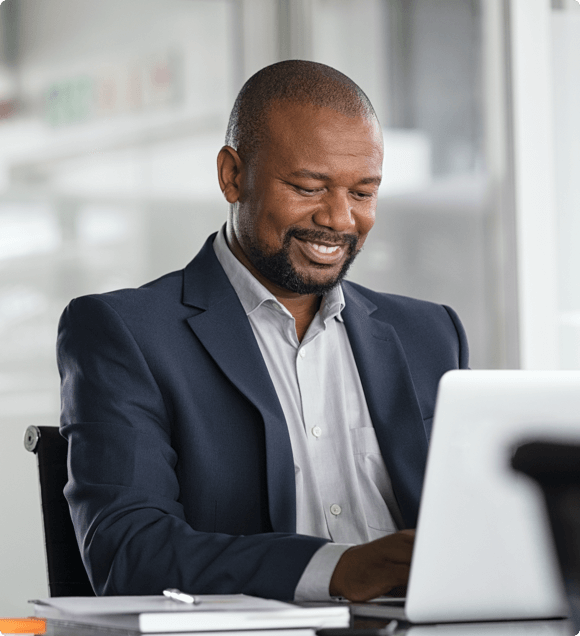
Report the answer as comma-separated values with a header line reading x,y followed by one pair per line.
x,y
297,81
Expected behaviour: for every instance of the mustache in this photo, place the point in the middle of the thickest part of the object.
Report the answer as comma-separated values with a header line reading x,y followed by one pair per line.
x,y
322,236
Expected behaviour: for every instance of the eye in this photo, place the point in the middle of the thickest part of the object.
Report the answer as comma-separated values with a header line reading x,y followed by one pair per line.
x,y
363,195
306,191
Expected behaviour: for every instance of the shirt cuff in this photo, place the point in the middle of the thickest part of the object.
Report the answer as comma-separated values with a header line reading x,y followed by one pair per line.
x,y
315,580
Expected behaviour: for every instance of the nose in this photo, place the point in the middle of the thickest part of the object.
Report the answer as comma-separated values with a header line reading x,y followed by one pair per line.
x,y
335,212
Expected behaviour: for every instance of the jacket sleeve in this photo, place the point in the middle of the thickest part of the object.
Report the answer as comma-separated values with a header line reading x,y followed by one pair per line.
x,y
123,491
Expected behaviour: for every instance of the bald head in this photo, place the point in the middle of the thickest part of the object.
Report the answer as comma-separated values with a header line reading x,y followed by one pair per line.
x,y
296,81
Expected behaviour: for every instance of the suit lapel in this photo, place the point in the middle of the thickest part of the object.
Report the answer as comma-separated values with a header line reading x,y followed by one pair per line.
x,y
222,327
391,400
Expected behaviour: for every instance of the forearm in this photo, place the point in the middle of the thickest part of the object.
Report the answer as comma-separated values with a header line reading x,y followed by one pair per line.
x,y
142,550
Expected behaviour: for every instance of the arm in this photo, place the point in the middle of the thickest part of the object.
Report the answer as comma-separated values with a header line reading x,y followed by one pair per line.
x,y
123,490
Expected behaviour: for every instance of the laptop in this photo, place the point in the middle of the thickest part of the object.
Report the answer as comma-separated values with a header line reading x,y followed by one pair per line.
x,y
549,627
483,548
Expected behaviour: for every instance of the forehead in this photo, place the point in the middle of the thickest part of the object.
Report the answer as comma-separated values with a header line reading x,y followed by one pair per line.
x,y
299,132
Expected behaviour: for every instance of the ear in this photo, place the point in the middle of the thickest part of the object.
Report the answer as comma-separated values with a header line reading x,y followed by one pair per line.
x,y
230,169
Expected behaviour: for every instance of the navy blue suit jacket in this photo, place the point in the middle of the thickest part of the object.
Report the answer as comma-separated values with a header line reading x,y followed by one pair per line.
x,y
180,465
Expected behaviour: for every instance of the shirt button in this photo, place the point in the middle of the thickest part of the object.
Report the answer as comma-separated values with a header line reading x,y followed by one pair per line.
x,y
335,509
317,431
302,352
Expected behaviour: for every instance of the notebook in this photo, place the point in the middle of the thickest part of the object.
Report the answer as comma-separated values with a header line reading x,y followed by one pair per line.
x,y
483,548
157,614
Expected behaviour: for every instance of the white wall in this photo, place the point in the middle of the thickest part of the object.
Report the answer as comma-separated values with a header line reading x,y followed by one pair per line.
x,y
534,182
546,103
566,95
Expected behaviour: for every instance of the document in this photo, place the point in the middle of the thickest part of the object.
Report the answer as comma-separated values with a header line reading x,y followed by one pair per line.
x,y
158,614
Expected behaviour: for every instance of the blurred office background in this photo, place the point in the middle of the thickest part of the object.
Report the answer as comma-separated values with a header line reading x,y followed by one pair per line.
x,y
112,114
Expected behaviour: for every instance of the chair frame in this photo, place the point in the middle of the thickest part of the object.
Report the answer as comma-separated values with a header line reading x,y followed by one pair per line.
x,y
66,573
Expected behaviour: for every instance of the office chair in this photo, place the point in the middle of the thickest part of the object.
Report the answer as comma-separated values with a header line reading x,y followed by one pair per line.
x,y
66,572
556,468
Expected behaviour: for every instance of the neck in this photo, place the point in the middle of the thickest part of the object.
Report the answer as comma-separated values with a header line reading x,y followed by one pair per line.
x,y
303,308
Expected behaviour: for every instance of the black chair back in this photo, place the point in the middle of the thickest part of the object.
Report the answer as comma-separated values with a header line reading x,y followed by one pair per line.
x,y
66,572
556,468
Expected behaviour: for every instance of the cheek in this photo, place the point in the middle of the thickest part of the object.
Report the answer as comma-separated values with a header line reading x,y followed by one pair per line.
x,y
259,216
281,212
269,228
365,222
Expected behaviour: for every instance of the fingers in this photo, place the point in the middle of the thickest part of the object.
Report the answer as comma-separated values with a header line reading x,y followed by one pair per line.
x,y
396,547
373,569
375,584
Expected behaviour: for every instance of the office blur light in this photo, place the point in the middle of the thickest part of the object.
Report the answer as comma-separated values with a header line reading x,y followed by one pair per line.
x,y
27,229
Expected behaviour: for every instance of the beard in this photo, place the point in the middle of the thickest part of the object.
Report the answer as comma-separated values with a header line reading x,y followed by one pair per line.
x,y
278,269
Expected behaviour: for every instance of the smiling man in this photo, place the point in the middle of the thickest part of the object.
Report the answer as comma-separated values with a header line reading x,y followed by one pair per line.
x,y
303,203
252,423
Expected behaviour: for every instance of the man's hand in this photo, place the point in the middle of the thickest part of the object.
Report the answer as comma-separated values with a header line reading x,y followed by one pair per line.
x,y
373,569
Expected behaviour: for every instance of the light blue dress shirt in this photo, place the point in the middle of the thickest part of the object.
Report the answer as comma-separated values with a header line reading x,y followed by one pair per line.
x,y
343,491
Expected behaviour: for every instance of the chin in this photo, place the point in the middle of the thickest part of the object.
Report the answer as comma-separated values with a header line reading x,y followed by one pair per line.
x,y
315,279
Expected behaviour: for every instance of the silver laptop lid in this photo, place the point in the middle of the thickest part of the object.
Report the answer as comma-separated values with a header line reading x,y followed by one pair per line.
x,y
553,627
483,549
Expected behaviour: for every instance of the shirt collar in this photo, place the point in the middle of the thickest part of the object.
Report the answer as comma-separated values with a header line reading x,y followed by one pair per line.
x,y
253,294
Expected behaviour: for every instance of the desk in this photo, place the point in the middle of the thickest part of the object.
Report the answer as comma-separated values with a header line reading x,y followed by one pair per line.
x,y
512,628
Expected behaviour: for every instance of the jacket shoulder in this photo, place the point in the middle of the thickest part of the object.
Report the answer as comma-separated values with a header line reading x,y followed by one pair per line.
x,y
417,321
395,304
160,292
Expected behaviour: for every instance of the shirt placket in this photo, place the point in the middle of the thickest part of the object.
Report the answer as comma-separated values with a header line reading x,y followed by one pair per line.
x,y
323,441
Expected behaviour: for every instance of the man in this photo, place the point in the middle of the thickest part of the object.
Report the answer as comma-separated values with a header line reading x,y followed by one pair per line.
x,y
250,424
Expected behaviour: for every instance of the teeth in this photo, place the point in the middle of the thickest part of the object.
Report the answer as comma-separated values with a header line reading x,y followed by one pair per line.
x,y
324,249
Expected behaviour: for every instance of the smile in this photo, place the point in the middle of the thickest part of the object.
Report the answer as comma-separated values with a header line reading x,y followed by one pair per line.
x,y
322,254
324,249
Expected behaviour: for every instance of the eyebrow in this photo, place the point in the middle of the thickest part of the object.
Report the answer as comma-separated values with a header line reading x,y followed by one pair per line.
x,y
321,176
309,174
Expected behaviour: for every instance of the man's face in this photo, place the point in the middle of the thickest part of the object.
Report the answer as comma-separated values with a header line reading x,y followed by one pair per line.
x,y
308,200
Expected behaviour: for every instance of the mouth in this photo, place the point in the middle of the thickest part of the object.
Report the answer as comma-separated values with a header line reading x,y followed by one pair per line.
x,y
322,253
323,249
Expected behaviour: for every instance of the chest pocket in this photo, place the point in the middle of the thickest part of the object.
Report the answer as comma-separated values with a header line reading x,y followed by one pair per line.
x,y
378,500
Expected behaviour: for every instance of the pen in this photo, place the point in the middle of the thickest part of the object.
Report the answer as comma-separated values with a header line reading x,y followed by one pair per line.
x,y
178,595
389,630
